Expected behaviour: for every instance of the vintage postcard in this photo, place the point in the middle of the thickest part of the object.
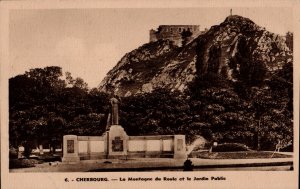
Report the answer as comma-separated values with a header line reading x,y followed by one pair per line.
x,y
137,94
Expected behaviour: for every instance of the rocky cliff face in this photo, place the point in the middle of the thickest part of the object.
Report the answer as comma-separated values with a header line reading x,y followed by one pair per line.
x,y
236,49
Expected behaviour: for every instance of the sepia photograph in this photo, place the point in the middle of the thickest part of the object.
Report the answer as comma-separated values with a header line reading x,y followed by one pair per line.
x,y
189,90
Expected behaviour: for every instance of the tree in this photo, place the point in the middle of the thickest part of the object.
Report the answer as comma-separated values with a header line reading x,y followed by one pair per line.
x,y
26,107
54,130
273,117
47,77
41,104
98,101
159,112
76,83
92,124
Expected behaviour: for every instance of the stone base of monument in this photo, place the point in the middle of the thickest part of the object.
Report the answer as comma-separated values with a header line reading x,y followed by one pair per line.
x,y
117,145
70,159
70,149
179,147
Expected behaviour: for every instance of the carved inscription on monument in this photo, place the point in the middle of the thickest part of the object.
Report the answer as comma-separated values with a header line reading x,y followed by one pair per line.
x,y
117,145
70,146
179,144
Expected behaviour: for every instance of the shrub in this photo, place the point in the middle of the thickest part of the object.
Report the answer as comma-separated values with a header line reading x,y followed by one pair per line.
x,y
13,153
230,147
22,163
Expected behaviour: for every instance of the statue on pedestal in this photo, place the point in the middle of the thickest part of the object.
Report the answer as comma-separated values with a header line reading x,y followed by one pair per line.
x,y
115,111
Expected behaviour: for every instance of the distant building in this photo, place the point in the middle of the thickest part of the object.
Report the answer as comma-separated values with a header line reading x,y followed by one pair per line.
x,y
174,33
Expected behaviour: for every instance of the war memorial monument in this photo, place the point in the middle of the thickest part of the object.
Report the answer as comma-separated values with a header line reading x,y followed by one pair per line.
x,y
115,143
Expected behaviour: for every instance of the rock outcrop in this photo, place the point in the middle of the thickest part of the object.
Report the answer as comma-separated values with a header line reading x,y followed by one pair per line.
x,y
236,49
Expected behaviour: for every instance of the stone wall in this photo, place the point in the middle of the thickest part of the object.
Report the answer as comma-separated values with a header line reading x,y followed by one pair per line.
x,y
151,146
173,33
117,144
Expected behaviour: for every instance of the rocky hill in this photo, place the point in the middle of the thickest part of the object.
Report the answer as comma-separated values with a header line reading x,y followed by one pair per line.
x,y
236,49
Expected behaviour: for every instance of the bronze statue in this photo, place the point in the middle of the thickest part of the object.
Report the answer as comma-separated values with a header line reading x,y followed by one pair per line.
x,y
115,111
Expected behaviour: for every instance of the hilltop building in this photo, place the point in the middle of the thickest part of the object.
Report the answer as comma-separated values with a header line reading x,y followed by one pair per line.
x,y
174,33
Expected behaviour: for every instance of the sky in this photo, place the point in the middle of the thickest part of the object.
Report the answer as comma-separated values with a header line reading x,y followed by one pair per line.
x,y
89,42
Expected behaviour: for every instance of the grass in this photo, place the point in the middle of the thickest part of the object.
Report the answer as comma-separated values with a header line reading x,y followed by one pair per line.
x,y
237,155
23,163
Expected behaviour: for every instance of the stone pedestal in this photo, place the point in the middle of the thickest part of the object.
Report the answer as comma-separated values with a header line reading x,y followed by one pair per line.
x,y
179,147
70,149
41,150
117,142
20,151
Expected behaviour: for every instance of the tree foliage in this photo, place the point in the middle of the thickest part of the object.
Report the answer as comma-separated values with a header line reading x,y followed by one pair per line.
x,y
44,107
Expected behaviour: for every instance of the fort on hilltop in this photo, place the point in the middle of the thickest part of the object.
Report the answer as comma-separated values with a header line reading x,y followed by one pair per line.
x,y
175,33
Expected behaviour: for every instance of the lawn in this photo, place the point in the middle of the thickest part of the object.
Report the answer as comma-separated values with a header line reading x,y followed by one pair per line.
x,y
237,155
